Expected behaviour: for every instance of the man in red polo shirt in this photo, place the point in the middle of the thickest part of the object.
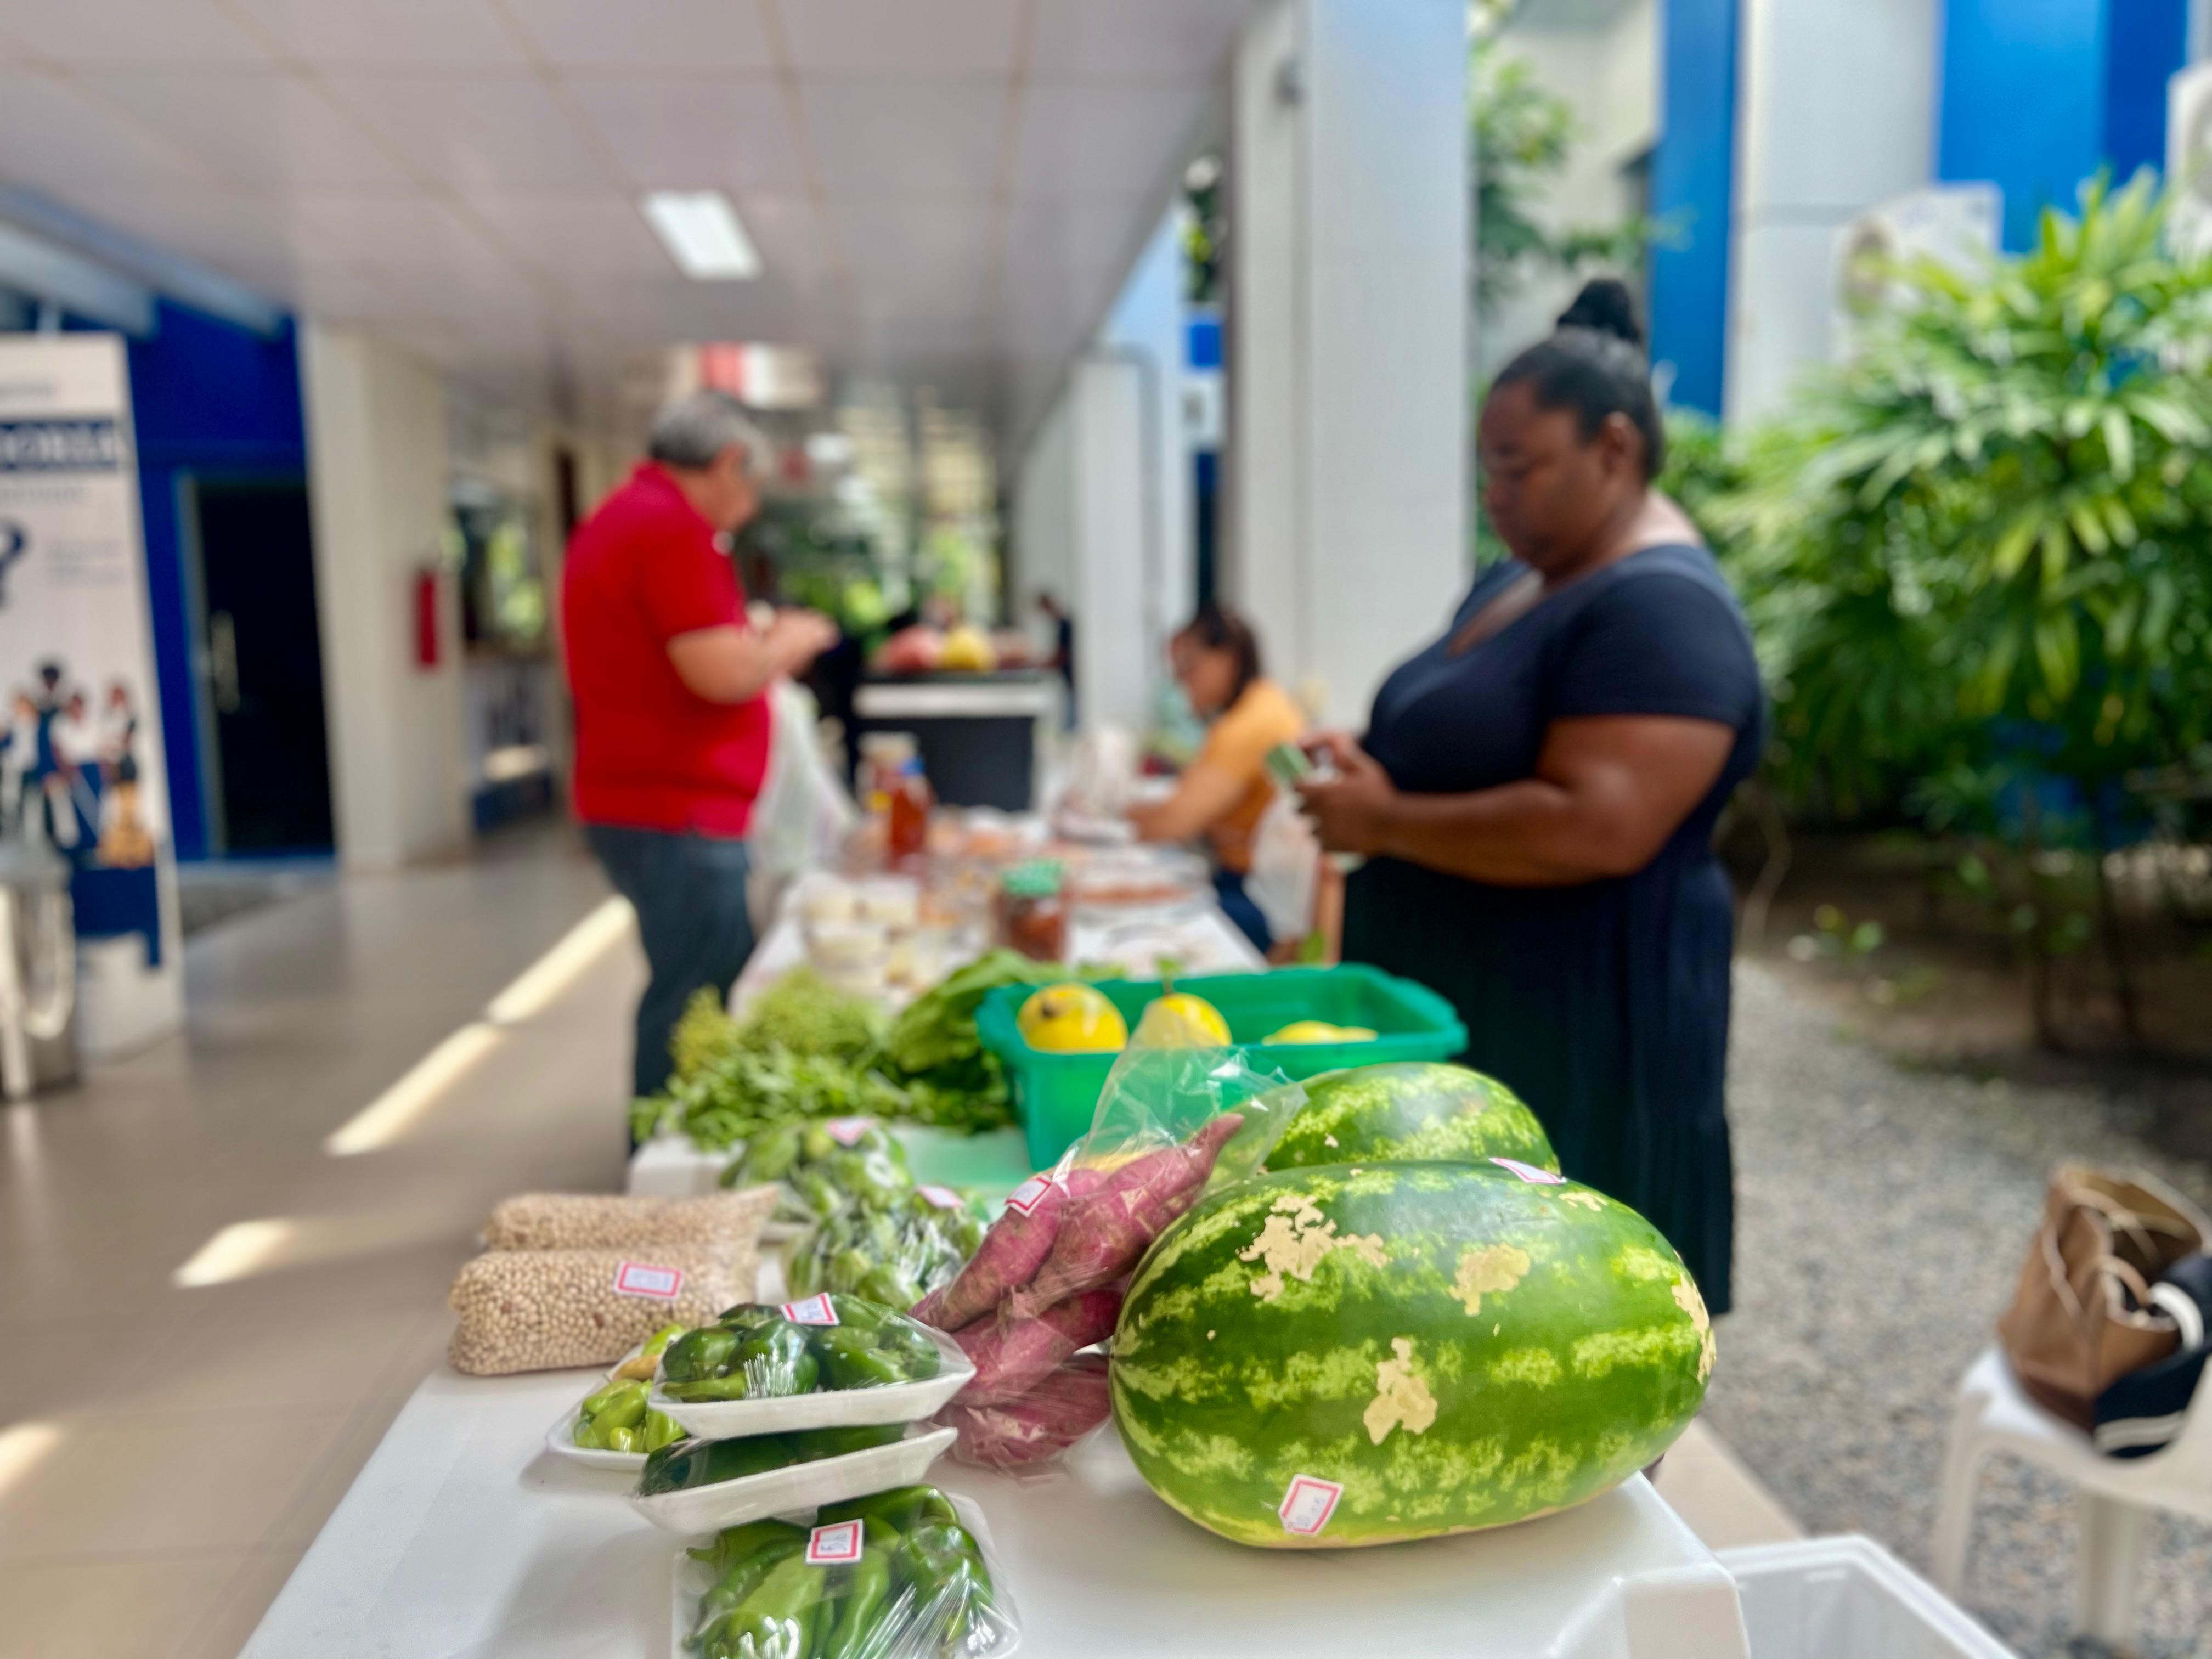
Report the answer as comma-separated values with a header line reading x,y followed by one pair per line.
x,y
672,726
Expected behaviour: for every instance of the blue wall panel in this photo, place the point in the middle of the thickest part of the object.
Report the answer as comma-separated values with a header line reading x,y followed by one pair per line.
x,y
1693,186
2023,102
2146,46
207,397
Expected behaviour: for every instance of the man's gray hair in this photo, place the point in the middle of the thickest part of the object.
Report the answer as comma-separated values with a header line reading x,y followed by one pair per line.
x,y
693,429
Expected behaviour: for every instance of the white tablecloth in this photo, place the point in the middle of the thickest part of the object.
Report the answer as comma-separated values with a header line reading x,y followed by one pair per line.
x,y
464,1539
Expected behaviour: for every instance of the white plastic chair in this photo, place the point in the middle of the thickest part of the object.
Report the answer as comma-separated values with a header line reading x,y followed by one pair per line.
x,y
2111,1494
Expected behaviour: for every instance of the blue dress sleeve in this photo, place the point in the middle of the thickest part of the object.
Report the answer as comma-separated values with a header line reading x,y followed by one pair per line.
x,y
1663,644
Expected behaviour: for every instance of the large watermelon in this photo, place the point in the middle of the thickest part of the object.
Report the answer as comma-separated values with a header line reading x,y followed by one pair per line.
x,y
1357,1354
1413,1109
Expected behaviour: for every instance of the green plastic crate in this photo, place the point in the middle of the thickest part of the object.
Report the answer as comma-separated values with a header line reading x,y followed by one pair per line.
x,y
1056,1095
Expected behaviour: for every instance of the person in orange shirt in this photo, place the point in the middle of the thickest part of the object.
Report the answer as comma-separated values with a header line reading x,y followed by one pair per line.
x,y
1225,790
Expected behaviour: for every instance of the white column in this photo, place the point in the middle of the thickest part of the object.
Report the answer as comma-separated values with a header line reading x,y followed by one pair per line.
x,y
376,446
1836,114
1345,535
1145,330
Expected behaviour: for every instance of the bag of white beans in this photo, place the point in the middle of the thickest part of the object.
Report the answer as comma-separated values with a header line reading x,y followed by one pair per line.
x,y
539,1310
605,1221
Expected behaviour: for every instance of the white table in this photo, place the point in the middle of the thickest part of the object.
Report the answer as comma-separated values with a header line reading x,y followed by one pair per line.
x,y
464,1539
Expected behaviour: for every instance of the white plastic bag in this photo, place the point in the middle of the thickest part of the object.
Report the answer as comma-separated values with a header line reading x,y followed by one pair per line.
x,y
802,814
1286,865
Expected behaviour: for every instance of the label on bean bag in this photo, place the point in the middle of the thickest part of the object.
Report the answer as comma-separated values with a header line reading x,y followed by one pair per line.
x,y
643,1278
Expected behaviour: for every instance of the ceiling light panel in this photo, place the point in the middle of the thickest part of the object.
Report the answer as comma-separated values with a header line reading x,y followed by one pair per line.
x,y
701,230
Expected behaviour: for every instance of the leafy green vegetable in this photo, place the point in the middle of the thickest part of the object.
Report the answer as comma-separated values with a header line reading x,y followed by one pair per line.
x,y
804,1014
938,1028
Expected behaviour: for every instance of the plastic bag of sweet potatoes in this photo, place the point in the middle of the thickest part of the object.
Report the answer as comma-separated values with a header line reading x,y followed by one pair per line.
x,y
1046,1285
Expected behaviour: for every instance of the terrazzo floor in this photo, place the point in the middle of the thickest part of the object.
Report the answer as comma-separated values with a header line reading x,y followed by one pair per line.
x,y
1881,1215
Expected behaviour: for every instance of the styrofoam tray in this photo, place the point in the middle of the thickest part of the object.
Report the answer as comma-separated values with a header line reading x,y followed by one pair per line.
x,y
691,1581
830,1408
561,1441
803,1485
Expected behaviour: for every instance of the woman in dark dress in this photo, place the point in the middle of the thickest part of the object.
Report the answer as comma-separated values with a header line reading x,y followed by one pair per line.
x,y
1536,792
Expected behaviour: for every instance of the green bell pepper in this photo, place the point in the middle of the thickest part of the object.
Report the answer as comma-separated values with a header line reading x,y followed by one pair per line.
x,y
704,1353
866,1587
851,1360
777,1361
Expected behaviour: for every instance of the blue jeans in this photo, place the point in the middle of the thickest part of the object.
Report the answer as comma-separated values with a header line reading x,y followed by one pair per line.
x,y
688,891
1237,904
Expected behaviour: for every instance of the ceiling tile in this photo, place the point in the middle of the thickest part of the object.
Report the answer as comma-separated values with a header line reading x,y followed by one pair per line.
x,y
1151,40
577,237
693,133
1104,140
924,139
262,128
396,230
174,34
240,234
53,137
909,39
440,35
1085,233
484,132
934,256
685,35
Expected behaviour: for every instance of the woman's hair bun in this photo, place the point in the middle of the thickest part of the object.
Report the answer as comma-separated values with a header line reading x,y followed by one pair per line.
x,y
1606,307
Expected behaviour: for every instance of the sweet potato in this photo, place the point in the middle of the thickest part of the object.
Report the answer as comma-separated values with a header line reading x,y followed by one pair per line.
x,y
1101,1237
1011,1356
1012,1251
1065,1406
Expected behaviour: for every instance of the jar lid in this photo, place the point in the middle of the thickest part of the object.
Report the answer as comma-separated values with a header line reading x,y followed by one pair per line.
x,y
1038,878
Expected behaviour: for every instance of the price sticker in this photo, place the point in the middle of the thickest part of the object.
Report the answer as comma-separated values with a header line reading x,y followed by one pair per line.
x,y
1308,1505
834,1546
1030,1194
1529,1172
943,1198
815,1310
643,1278
848,1131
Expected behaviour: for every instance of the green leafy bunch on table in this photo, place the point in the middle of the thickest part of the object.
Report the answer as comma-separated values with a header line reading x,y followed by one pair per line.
x,y
806,1049
919,1587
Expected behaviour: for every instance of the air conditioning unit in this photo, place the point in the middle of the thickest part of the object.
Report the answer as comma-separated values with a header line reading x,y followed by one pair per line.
x,y
1955,225
2188,158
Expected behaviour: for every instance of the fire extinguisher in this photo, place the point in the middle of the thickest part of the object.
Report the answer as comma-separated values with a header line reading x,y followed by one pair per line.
x,y
426,615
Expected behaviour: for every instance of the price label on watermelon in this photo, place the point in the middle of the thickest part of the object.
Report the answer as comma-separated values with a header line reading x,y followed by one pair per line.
x,y
1529,1172
1030,1194
847,1131
833,1545
1308,1505
943,1198
643,1278
815,1310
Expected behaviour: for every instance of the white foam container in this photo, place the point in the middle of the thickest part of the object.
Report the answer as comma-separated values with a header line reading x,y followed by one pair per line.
x,y
561,1441
1848,1598
827,1408
802,1486
691,1581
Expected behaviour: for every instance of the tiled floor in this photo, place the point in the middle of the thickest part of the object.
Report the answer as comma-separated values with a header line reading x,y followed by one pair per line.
x,y
167,1454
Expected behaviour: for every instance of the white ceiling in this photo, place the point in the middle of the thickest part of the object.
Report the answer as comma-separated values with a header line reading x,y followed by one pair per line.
x,y
944,192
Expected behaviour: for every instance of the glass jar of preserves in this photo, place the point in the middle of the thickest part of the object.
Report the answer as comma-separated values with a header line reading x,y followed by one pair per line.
x,y
1033,910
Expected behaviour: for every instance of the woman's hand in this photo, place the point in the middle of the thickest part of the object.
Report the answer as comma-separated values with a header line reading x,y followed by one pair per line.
x,y
1351,811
